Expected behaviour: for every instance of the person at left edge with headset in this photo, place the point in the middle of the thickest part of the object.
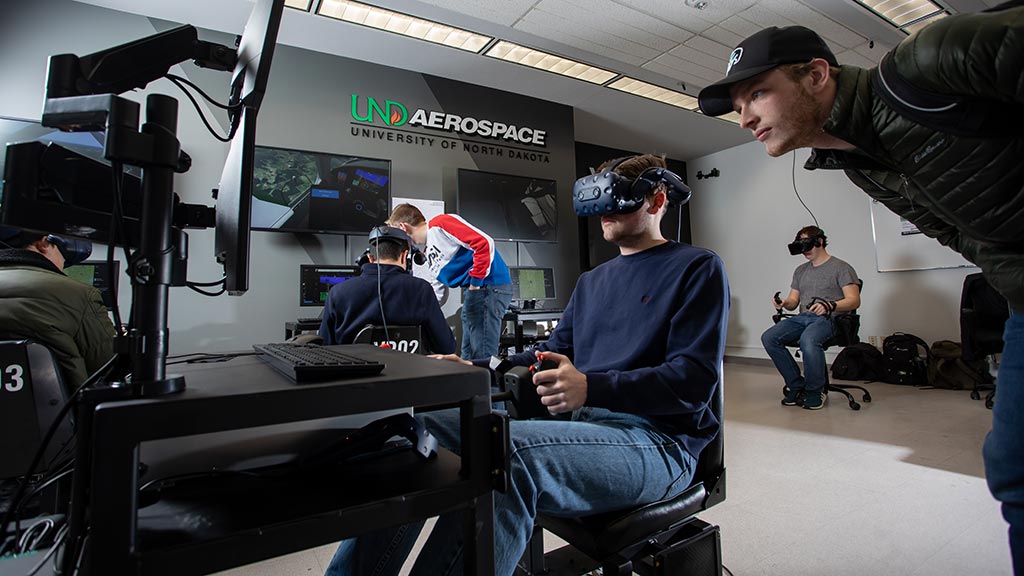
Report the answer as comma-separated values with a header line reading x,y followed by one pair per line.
x,y
38,301
822,287
384,293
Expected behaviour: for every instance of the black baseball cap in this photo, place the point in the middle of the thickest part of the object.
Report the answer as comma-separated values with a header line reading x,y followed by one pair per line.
x,y
759,53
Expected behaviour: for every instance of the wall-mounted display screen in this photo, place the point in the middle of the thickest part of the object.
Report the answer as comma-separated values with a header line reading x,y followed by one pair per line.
x,y
529,283
316,281
300,191
506,207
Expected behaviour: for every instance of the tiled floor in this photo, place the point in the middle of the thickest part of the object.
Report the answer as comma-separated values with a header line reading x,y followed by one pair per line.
x,y
895,489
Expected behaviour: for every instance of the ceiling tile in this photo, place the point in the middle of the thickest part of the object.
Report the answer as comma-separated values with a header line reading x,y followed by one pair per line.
x,y
853,58
553,31
506,12
614,15
723,36
679,14
740,26
837,35
628,25
698,57
764,16
708,46
690,84
874,54
708,75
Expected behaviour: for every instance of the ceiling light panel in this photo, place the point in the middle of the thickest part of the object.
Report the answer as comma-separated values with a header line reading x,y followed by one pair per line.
x,y
652,92
298,4
511,52
922,23
381,19
902,12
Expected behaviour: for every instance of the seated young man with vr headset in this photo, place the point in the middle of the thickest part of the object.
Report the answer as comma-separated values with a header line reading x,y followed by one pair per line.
x,y
822,287
385,294
638,354
38,301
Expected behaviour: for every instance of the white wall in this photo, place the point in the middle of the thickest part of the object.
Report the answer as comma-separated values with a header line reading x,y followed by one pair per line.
x,y
748,215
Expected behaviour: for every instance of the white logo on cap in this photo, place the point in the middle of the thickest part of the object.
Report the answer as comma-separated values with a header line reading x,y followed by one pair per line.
x,y
734,59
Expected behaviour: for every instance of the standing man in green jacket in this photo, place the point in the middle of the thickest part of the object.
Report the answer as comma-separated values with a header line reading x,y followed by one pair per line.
x,y
961,187
38,301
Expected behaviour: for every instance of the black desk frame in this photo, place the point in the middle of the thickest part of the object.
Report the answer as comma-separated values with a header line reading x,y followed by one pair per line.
x,y
519,340
246,393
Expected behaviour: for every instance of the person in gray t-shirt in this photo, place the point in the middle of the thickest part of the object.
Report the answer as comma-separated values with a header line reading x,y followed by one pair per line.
x,y
822,286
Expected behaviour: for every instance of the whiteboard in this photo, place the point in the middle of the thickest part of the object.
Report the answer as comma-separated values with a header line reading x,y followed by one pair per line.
x,y
899,247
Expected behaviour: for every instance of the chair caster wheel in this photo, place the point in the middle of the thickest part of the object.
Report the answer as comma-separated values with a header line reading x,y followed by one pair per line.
x,y
975,395
867,397
854,405
988,403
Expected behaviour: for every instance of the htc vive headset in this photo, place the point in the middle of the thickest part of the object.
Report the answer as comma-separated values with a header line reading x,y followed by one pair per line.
x,y
800,245
73,250
610,193
393,234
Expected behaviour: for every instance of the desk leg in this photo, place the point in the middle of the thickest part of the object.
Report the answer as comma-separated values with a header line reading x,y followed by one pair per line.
x,y
478,531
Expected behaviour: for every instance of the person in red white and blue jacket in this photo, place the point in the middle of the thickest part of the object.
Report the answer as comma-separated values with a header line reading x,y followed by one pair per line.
x,y
461,255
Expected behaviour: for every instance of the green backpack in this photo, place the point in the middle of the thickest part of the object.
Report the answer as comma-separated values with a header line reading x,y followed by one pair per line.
x,y
947,368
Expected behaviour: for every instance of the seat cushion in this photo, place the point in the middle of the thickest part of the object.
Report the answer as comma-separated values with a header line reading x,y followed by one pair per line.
x,y
601,535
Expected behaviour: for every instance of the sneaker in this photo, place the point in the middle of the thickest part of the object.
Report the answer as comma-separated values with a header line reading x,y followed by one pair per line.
x,y
814,400
794,397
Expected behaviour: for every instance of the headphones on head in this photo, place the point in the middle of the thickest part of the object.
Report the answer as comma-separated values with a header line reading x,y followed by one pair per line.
x,y
800,245
608,192
392,234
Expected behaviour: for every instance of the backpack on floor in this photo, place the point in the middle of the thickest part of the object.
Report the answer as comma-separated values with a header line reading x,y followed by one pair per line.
x,y
948,369
860,361
902,362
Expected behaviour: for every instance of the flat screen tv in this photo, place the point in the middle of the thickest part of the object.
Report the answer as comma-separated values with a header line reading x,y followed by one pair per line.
x,y
301,191
507,207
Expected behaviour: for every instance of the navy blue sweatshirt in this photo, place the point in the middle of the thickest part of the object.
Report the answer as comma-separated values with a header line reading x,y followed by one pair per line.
x,y
408,301
648,330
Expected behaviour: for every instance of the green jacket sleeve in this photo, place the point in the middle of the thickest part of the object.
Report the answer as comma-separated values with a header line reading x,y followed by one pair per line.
x,y
95,339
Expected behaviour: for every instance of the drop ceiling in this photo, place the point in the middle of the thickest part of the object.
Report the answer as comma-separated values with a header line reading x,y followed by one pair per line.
x,y
669,43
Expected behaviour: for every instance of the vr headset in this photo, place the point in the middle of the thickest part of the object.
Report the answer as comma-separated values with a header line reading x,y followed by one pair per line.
x,y
800,245
609,193
73,250
392,234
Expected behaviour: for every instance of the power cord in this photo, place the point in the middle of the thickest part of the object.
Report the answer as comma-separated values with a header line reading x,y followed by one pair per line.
x,y
793,179
177,81
380,292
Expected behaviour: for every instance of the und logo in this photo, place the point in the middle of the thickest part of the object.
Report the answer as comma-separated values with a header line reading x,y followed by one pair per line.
x,y
734,59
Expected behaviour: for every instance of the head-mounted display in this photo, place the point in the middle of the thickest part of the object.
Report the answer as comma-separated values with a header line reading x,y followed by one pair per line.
x,y
608,192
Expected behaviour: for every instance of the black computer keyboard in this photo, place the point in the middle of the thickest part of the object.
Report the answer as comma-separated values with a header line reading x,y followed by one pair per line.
x,y
314,320
305,363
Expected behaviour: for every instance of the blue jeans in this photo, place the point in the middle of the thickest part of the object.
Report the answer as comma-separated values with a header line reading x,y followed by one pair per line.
x,y
809,331
482,311
598,462
1004,445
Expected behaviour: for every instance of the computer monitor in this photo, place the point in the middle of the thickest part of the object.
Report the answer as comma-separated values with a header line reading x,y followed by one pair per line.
x,y
96,273
316,280
530,283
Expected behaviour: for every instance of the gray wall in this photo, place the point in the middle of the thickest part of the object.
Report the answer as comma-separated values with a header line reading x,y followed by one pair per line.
x,y
749,214
307,107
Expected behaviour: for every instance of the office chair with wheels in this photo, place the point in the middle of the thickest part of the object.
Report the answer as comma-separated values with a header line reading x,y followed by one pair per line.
x,y
648,539
847,332
33,394
983,313
401,338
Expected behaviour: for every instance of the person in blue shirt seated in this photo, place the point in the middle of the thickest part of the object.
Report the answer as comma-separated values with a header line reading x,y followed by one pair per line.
x,y
384,293
639,356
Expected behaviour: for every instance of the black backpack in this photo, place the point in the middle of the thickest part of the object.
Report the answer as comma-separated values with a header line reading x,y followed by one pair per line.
x,y
860,361
902,362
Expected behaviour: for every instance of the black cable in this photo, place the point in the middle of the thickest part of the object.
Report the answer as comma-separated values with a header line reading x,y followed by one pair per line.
x,y
199,111
176,78
213,358
793,179
214,283
61,534
380,293
204,292
115,228
15,504
727,571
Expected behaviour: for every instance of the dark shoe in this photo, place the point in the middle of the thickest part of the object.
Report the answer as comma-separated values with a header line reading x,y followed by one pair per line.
x,y
815,400
794,397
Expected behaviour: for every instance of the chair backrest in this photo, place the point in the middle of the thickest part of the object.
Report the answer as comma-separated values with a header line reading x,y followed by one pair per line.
x,y
401,338
983,312
31,394
711,464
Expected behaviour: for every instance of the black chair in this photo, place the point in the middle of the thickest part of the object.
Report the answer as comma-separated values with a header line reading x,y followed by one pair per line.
x,y
847,332
646,539
983,314
33,394
401,338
